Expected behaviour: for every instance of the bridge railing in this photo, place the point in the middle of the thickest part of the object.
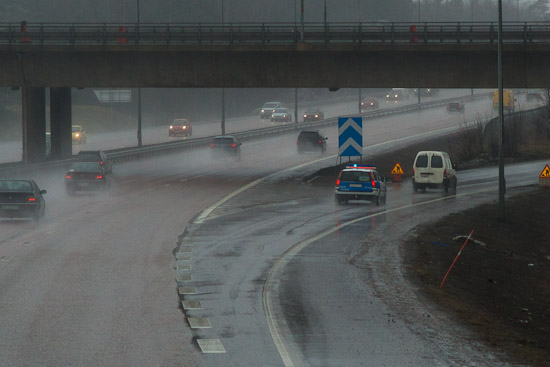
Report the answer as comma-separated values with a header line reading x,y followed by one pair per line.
x,y
272,33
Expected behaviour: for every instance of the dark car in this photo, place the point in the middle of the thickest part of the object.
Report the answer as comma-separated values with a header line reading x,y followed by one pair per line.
x,y
21,199
369,103
225,145
311,141
98,156
455,107
180,127
313,114
85,176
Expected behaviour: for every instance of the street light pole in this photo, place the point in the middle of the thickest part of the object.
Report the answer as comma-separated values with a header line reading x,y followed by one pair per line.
x,y
223,93
139,140
501,180
302,20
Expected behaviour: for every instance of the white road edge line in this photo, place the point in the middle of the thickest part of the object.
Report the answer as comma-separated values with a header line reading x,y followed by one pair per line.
x,y
277,269
206,212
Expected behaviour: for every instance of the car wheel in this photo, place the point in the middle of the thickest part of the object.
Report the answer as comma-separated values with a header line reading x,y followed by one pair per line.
x,y
415,186
446,186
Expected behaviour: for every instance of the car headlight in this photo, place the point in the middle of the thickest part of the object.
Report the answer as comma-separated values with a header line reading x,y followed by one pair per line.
x,y
185,127
316,115
305,115
171,127
77,135
387,96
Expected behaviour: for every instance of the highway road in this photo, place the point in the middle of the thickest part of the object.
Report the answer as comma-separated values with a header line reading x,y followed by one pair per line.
x,y
11,151
94,283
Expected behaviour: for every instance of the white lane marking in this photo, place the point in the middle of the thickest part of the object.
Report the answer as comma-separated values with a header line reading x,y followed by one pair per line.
x,y
187,290
183,278
273,277
6,258
191,305
206,212
185,267
211,345
191,178
199,323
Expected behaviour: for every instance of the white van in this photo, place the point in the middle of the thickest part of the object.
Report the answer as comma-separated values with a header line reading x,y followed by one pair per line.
x,y
433,170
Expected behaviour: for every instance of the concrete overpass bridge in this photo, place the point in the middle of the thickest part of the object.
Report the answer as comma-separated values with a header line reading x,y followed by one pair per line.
x,y
352,55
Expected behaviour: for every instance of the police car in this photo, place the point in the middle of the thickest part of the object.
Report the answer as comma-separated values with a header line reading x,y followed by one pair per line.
x,y
358,182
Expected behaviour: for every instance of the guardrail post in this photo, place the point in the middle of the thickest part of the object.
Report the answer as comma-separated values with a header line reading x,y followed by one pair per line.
x,y
104,33
525,32
41,33
73,35
230,33
168,34
360,33
392,34
263,33
441,34
425,32
458,33
491,30
326,33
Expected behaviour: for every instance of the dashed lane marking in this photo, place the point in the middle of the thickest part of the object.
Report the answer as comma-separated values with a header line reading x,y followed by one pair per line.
x,y
187,290
6,258
185,267
183,277
211,345
199,323
185,250
191,305
182,258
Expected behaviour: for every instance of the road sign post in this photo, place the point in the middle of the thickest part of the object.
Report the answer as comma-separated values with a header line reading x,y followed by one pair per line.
x,y
397,172
350,137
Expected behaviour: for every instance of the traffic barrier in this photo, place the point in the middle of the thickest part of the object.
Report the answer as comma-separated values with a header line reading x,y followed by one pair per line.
x,y
122,29
414,37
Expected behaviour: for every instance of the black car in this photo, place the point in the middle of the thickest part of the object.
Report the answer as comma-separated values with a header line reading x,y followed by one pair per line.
x,y
98,156
85,176
455,107
311,141
21,199
225,145
313,114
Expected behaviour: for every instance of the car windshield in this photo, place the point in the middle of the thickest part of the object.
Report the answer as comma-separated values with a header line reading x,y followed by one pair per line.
x,y
15,185
271,105
312,111
180,122
77,129
281,110
308,136
84,167
422,161
88,155
359,176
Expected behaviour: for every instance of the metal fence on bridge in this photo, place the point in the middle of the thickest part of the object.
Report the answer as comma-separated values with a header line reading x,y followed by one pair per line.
x,y
271,33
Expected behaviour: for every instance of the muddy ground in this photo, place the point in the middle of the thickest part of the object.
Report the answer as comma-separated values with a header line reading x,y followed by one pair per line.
x,y
500,285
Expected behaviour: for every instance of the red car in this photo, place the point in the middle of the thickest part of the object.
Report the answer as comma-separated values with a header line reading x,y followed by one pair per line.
x,y
369,103
180,127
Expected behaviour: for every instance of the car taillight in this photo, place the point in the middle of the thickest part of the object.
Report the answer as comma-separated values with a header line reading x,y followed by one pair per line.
x,y
68,176
99,177
32,199
212,145
233,145
338,182
100,162
171,127
413,171
373,184
320,142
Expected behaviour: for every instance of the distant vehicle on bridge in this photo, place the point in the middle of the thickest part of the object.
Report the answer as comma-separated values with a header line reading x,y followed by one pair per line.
x,y
508,100
281,115
313,114
427,92
181,127
369,103
455,107
78,134
397,94
268,109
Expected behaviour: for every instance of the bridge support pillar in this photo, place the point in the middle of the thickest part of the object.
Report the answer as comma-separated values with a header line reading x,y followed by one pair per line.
x,y
34,124
61,122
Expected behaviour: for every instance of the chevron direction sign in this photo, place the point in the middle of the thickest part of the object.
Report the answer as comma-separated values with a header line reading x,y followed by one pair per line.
x,y
350,136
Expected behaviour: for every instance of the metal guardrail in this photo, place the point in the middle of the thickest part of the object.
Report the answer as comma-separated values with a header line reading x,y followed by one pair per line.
x,y
125,34
163,148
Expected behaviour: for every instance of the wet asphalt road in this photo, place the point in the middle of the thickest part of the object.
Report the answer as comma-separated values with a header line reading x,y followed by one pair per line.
x,y
93,283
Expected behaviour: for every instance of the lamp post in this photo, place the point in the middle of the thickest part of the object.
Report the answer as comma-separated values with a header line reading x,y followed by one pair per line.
x,y
139,140
501,181
302,20
223,92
